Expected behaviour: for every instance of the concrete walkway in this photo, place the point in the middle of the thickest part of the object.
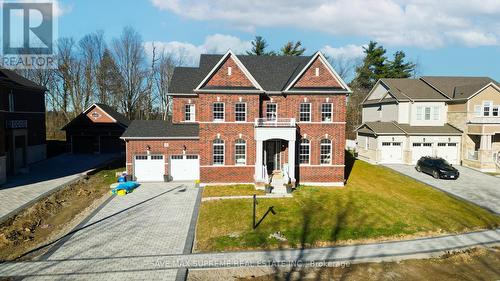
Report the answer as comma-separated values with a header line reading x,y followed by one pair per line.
x,y
473,186
45,176
141,266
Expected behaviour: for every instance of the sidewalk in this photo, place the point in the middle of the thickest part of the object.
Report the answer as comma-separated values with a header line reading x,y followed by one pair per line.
x,y
133,267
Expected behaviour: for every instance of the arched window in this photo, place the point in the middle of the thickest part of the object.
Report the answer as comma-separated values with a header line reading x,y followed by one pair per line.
x,y
240,152
326,152
218,152
304,151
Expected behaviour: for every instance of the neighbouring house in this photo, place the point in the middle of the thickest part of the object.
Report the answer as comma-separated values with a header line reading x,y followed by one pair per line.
x,y
456,118
22,123
247,119
96,130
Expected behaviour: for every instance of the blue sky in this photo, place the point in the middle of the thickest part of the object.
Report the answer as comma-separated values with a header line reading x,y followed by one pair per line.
x,y
446,37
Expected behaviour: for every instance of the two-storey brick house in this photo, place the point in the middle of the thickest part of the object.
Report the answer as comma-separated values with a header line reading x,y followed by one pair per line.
x,y
243,119
22,123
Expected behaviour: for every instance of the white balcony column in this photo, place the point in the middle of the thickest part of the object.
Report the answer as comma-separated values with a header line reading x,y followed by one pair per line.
x,y
485,142
259,177
291,160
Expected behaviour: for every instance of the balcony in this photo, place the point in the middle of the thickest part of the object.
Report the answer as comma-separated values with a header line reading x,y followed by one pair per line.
x,y
274,123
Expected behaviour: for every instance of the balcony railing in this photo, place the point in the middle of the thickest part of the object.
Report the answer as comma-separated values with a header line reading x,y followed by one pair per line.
x,y
275,122
485,120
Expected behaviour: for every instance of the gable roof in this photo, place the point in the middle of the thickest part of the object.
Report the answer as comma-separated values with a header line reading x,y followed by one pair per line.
x,y
160,129
120,118
9,77
394,128
411,89
272,73
458,87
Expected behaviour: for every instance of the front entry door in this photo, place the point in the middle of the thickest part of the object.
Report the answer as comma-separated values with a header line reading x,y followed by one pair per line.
x,y
273,149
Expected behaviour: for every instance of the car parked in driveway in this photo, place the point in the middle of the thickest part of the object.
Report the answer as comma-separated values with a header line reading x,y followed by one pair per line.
x,y
439,168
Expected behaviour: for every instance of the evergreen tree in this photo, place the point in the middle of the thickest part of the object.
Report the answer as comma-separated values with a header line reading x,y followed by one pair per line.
x,y
398,68
259,47
292,49
372,68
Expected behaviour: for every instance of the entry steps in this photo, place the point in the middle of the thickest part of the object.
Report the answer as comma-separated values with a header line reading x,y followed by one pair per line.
x,y
278,183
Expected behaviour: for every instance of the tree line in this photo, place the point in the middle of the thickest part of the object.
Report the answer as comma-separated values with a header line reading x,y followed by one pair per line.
x,y
120,74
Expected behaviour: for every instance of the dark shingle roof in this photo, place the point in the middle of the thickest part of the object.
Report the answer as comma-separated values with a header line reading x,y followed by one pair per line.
x,y
272,73
160,129
458,87
414,89
10,77
391,128
120,118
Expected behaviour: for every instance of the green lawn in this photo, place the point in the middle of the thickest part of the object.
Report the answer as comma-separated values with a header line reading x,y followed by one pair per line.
x,y
231,190
376,204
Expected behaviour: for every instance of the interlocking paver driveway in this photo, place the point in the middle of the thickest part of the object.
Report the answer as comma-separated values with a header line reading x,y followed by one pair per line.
x,y
45,176
154,220
473,186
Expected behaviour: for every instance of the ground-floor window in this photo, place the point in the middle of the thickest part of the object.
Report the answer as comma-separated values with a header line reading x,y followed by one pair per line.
x,y
240,152
304,149
326,151
218,152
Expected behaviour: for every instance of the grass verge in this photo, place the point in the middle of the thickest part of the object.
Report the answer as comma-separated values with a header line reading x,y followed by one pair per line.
x,y
54,215
231,190
376,204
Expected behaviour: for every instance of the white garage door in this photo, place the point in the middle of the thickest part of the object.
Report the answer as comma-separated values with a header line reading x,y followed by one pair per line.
x,y
184,167
149,168
448,151
392,152
420,149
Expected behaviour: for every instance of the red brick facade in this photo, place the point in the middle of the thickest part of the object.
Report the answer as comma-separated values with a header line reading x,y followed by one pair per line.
x,y
324,78
228,130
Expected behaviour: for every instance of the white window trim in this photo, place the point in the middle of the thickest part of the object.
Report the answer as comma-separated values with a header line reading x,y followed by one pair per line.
x,y
223,144
310,112
436,114
192,115
244,144
308,154
223,112
246,112
331,151
331,112
490,111
276,109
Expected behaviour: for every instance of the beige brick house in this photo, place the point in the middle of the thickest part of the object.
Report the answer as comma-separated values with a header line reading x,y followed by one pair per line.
x,y
456,118
247,119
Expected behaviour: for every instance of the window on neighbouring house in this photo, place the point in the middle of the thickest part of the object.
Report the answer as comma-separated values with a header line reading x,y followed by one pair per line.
x,y
326,151
240,149
240,112
427,113
305,112
495,111
189,112
435,113
271,111
304,149
11,102
218,152
326,112
218,111
486,108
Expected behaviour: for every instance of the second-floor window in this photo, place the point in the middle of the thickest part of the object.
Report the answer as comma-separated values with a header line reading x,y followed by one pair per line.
x,y
189,112
240,112
11,102
218,111
427,113
326,112
486,108
305,112
495,111
271,111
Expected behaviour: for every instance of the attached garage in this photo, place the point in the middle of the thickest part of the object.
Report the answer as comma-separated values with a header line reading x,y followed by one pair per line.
x,y
419,150
96,130
448,151
184,167
148,168
391,152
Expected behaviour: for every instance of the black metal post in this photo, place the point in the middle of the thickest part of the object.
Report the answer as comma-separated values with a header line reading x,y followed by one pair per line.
x,y
254,209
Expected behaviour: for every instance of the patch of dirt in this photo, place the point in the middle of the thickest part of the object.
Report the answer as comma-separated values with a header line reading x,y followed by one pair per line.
x,y
473,264
52,217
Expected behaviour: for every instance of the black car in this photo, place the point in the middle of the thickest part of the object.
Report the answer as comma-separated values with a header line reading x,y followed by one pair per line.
x,y
437,167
